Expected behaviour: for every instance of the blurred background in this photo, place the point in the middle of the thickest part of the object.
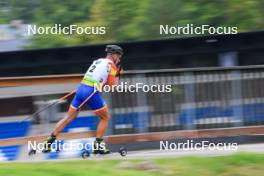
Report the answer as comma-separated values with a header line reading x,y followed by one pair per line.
x,y
124,20
217,80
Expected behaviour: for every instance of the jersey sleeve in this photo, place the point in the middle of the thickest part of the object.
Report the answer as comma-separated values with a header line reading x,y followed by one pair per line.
x,y
113,71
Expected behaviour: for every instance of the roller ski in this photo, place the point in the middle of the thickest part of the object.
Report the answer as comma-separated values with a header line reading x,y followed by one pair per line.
x,y
47,146
99,148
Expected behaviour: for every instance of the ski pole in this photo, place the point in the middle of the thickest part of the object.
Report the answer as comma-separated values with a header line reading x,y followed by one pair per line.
x,y
48,106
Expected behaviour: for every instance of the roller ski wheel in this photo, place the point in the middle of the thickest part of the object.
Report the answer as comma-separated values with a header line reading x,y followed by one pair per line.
x,y
123,151
85,154
32,152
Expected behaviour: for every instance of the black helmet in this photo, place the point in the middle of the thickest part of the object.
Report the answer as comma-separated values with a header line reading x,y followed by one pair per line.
x,y
114,49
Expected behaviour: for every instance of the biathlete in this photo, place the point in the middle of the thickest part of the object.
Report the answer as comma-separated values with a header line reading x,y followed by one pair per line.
x,y
103,71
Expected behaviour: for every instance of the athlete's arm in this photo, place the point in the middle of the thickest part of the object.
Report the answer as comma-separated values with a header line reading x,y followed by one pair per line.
x,y
112,78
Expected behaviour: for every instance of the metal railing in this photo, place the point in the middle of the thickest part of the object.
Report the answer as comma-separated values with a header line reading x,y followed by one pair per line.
x,y
200,99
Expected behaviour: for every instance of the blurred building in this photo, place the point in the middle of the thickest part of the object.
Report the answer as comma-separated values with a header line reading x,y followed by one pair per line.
x,y
207,51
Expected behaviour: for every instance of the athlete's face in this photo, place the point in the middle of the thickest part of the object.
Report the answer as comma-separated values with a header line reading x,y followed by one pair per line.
x,y
117,58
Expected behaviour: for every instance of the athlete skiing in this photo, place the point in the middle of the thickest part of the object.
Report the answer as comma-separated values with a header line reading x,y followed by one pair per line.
x,y
103,71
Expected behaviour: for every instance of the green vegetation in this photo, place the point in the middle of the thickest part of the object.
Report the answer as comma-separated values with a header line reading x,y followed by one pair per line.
x,y
129,20
233,165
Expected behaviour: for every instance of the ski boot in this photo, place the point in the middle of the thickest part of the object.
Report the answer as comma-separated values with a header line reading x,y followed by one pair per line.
x,y
100,147
48,142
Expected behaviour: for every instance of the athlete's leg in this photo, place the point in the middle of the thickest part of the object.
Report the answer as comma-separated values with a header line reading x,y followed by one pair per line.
x,y
80,96
71,114
100,131
101,111
103,122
